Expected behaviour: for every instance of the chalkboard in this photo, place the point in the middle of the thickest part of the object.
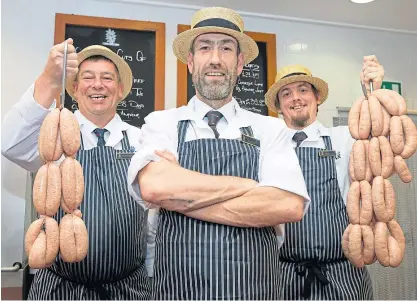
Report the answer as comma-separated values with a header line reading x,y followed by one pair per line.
x,y
253,82
138,43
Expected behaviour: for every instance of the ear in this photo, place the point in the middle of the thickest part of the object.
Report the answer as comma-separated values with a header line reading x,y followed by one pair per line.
x,y
319,99
240,63
190,62
75,87
120,91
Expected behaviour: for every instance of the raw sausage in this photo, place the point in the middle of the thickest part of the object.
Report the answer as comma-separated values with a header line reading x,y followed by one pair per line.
x,y
73,238
72,183
70,133
49,143
42,242
402,170
387,157
47,189
396,138
410,132
377,118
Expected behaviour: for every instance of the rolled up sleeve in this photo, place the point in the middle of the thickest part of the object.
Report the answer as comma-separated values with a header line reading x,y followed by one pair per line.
x,y
280,168
279,165
158,133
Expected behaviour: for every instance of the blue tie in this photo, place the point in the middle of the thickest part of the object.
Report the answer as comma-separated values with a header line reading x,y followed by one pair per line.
x,y
100,135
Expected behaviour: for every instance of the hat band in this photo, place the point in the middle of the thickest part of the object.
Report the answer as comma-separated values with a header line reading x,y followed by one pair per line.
x,y
218,23
293,74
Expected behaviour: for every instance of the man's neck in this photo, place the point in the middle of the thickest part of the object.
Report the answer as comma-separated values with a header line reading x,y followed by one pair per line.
x,y
215,104
99,120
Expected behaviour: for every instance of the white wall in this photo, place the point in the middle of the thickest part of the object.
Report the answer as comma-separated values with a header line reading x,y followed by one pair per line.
x,y
333,53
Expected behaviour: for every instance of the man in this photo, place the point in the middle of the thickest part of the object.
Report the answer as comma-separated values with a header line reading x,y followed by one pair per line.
x,y
312,263
114,267
235,179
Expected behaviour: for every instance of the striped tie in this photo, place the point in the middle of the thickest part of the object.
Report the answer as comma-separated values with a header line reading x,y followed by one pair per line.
x,y
100,135
213,119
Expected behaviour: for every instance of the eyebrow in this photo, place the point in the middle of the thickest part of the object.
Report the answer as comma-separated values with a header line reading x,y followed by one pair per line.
x,y
218,42
101,73
300,85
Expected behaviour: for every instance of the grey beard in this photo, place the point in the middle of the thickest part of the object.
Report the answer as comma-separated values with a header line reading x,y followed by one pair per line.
x,y
213,91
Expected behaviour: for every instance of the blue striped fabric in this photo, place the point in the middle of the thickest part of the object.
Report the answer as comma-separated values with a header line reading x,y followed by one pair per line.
x,y
115,264
207,261
318,236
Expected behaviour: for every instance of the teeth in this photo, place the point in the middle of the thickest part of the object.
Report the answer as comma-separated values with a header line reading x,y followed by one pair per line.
x,y
214,74
97,96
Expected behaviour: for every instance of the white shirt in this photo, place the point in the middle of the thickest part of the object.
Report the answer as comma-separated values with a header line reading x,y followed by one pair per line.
x,y
278,165
21,127
342,143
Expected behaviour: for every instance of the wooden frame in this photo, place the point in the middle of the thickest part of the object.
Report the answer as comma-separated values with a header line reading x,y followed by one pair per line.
x,y
61,20
271,54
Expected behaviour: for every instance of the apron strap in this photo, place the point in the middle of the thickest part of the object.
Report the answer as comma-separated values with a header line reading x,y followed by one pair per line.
x,y
125,142
327,142
182,131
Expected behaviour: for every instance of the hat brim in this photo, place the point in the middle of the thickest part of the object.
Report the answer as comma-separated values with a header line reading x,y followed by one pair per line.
x,y
125,72
318,83
183,41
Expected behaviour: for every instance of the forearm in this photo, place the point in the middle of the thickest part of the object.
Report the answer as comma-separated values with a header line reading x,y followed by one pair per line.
x,y
20,132
161,180
45,91
260,207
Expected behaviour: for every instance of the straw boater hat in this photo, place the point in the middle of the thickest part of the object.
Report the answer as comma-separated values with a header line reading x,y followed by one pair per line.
x,y
291,74
215,20
125,72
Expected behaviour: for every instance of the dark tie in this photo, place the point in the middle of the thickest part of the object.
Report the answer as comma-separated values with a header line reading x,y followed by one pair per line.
x,y
299,137
213,119
100,135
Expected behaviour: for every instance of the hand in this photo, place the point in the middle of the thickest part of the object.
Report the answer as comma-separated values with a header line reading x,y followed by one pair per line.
x,y
53,69
168,156
372,70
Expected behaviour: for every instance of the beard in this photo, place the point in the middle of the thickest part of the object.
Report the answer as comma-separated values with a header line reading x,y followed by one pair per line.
x,y
301,121
215,89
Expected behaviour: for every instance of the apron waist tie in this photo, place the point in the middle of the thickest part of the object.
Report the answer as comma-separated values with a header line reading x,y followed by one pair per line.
x,y
314,269
97,286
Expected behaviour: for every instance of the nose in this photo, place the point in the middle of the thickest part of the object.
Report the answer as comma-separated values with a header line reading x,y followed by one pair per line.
x,y
295,96
98,83
215,56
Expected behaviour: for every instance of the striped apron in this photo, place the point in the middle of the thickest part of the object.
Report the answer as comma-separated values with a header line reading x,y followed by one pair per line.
x,y
312,264
198,260
114,267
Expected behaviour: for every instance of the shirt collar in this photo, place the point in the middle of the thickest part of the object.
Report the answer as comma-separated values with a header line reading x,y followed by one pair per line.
x,y
314,131
114,126
196,110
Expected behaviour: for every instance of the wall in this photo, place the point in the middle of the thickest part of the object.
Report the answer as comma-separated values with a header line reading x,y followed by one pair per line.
x,y
333,53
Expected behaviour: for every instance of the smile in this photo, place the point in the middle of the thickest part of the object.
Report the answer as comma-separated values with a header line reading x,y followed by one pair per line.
x,y
97,97
299,107
214,74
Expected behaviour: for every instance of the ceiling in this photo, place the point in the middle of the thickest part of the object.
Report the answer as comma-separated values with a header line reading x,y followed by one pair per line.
x,y
398,15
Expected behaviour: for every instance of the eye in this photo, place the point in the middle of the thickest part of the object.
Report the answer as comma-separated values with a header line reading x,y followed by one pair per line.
x,y
204,47
227,48
107,78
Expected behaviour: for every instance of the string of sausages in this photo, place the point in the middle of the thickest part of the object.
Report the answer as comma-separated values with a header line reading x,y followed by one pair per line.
x,y
57,185
384,137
